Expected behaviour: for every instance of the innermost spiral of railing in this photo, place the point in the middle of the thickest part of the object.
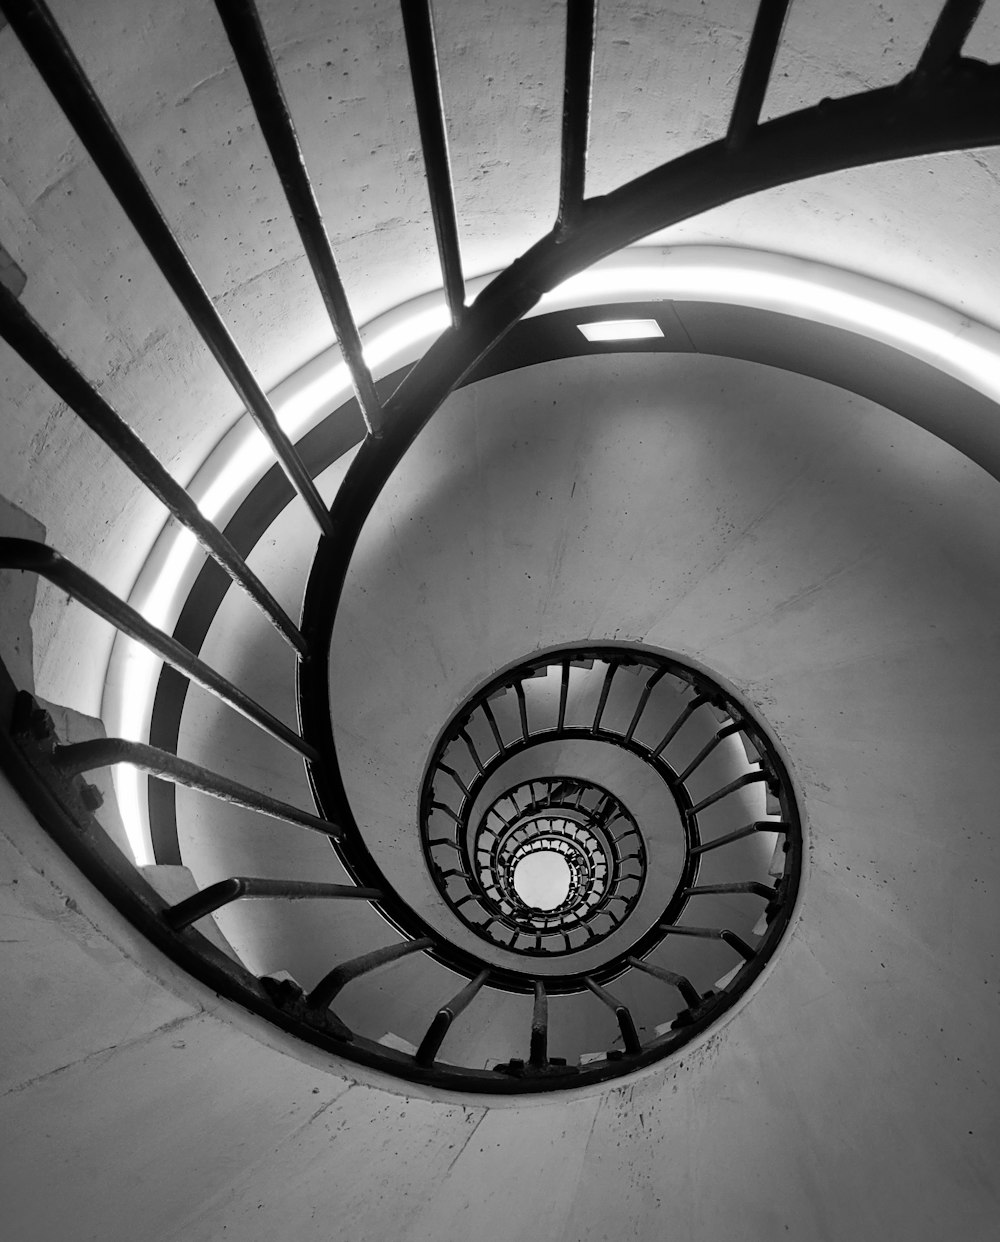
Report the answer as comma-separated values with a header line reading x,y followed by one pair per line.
x,y
577,821
540,763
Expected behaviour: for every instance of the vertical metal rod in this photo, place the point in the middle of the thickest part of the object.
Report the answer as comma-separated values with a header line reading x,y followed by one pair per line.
x,y
563,692
215,896
764,41
640,707
952,28
37,558
755,887
63,74
761,825
539,1047
684,985
707,749
689,710
581,21
431,1043
455,777
253,55
41,353
741,782
106,752
464,735
324,992
711,933
630,1037
602,702
492,721
522,708
421,48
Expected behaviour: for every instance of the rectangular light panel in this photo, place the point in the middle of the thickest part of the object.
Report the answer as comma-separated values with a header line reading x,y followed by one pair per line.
x,y
620,329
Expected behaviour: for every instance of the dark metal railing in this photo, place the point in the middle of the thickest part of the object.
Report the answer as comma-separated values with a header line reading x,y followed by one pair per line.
x,y
107,752
421,48
253,55
946,103
213,898
577,819
513,715
36,558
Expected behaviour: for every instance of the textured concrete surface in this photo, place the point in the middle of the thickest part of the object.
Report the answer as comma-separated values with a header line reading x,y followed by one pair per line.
x,y
854,1094
665,78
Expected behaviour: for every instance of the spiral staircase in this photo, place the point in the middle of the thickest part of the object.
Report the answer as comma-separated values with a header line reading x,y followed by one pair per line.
x,y
546,793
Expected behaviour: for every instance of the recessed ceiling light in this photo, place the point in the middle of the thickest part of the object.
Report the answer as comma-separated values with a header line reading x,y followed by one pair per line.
x,y
620,329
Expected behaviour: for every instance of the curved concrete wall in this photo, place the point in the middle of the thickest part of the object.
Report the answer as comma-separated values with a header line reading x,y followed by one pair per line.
x,y
830,560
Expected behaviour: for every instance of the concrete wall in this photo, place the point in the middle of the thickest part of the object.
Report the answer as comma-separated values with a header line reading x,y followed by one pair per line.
x,y
166,75
830,559
853,1095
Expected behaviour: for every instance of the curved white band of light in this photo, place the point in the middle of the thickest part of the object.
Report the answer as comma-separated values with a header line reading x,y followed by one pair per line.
x,y
917,326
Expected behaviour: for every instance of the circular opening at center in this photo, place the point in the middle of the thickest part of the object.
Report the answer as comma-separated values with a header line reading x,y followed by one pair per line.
x,y
542,879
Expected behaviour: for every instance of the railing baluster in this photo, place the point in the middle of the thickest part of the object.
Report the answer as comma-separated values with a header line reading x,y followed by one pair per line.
x,y
683,985
215,896
455,777
640,707
952,28
107,752
563,694
538,1055
522,708
491,720
457,871
38,558
626,1025
761,825
581,20
464,735
755,887
253,55
41,353
741,782
421,48
764,41
711,933
326,990
431,1043
689,710
602,702
707,749
63,74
